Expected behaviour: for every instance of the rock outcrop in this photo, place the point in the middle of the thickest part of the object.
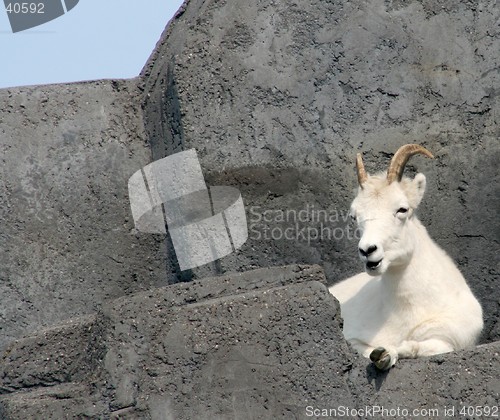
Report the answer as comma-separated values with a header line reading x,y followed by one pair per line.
x,y
263,344
276,98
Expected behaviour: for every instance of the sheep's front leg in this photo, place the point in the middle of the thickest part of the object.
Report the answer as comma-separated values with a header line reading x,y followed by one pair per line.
x,y
386,357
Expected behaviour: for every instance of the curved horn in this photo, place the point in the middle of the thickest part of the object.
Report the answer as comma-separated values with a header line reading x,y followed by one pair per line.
x,y
400,158
360,169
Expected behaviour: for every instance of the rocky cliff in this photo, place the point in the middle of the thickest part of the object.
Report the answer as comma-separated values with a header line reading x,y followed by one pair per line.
x,y
264,344
276,97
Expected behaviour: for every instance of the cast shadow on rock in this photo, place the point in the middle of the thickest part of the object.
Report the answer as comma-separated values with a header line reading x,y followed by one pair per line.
x,y
375,375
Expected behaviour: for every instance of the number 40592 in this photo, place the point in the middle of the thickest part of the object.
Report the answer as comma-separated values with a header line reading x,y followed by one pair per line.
x,y
25,8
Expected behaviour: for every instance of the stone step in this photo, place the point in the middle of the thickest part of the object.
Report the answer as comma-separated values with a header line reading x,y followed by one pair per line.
x,y
66,353
263,344
63,401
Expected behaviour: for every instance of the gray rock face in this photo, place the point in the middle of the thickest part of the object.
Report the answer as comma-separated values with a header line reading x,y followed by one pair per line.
x,y
67,238
264,344
276,98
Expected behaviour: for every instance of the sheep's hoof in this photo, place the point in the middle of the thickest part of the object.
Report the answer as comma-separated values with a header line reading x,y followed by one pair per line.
x,y
381,358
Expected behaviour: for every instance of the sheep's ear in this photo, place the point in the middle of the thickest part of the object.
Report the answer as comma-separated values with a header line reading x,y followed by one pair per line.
x,y
418,183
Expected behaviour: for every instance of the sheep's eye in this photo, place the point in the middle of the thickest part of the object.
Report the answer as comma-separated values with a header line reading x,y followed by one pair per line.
x,y
402,210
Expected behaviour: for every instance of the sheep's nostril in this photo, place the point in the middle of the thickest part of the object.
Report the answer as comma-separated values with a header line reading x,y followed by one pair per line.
x,y
371,249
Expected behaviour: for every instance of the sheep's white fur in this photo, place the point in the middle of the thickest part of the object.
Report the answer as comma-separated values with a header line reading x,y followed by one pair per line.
x,y
415,302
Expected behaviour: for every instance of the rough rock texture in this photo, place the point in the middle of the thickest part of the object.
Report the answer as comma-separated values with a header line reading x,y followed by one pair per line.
x,y
277,97
67,241
265,344
277,102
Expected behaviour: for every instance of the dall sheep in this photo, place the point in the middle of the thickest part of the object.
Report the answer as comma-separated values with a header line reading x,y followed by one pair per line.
x,y
412,300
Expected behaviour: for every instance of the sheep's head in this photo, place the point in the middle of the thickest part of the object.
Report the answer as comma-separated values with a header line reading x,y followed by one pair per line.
x,y
383,210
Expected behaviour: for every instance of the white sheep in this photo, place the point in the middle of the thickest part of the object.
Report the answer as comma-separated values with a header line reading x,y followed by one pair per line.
x,y
412,300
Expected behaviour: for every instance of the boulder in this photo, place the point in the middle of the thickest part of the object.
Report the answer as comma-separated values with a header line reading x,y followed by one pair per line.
x,y
263,344
278,98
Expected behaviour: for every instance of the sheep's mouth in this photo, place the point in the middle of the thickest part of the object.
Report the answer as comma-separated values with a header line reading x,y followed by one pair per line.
x,y
373,265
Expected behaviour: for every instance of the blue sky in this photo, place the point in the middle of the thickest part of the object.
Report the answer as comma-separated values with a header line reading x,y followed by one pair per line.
x,y
96,39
